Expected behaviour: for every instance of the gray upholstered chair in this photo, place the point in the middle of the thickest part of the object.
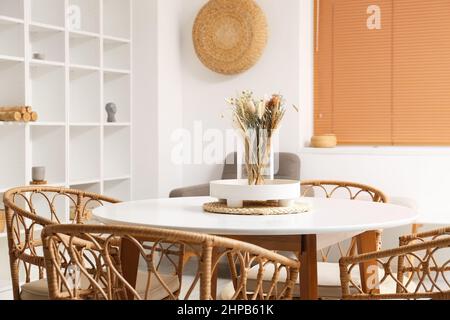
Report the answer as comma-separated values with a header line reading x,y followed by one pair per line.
x,y
289,168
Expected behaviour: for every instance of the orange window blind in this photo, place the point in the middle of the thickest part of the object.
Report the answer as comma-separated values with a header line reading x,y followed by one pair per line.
x,y
382,71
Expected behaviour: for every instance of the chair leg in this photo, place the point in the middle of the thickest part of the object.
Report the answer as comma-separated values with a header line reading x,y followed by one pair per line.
x,y
14,265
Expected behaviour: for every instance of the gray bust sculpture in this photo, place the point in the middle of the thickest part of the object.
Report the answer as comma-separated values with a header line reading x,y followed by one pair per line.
x,y
111,110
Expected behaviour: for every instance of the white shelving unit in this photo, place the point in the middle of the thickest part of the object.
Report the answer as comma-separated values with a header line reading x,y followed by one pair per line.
x,y
82,70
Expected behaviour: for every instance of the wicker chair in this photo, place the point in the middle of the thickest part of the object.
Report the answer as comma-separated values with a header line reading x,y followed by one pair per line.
x,y
328,272
328,267
28,210
346,190
80,267
422,264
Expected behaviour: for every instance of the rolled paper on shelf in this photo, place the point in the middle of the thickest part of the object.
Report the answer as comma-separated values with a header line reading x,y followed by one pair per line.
x,y
10,116
26,117
21,109
34,116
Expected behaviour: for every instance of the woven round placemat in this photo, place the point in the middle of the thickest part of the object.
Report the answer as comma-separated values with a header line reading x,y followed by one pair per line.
x,y
256,208
230,35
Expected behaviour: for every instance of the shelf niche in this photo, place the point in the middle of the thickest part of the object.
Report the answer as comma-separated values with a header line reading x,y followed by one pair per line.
x,y
116,151
84,96
116,18
48,150
11,39
12,8
48,92
48,42
116,55
89,15
12,140
51,12
118,189
87,187
84,153
117,90
12,83
84,50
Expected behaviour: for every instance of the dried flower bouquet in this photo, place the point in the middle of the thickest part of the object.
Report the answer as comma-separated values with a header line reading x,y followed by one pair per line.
x,y
257,120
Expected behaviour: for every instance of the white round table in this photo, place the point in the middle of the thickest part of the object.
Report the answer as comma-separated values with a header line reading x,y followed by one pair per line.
x,y
298,232
326,216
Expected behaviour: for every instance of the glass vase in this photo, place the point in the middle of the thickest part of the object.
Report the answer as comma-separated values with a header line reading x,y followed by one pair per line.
x,y
255,156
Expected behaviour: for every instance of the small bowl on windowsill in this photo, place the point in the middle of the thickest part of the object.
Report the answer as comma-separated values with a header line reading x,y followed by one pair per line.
x,y
324,141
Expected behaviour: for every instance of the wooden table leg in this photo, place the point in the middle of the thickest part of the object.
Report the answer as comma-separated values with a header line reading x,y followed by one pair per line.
x,y
368,242
129,258
308,268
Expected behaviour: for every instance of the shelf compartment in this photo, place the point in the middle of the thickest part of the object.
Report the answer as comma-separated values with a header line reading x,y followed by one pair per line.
x,y
116,55
89,14
116,18
118,189
49,42
48,11
12,8
12,83
11,38
87,187
117,89
12,143
48,92
48,150
85,96
94,187
117,151
84,50
84,154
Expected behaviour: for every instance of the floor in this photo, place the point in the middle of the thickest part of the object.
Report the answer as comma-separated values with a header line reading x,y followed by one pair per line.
x,y
221,283
188,277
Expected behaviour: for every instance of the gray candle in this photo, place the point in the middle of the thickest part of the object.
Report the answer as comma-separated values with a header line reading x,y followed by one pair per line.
x,y
38,173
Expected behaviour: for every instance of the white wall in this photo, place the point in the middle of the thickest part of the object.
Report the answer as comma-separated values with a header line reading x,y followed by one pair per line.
x,y
417,173
157,96
181,91
170,90
204,92
145,99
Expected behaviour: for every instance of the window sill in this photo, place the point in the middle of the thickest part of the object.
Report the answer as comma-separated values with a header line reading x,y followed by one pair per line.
x,y
380,151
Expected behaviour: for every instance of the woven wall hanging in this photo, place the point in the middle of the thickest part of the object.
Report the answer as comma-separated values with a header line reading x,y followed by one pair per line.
x,y
230,35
